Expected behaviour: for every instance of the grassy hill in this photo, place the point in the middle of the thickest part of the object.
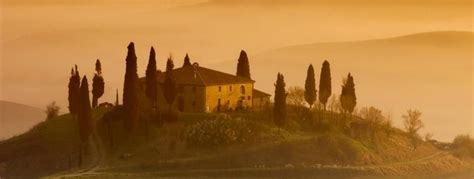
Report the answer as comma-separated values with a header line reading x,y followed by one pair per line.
x,y
17,118
48,147
238,144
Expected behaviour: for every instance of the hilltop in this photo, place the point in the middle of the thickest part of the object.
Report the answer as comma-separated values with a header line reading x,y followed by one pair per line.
x,y
17,118
260,149
438,62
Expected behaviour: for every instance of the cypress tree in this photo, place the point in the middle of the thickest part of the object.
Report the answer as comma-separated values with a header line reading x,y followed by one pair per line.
x,y
310,87
243,67
348,97
84,113
98,84
130,88
151,81
73,91
325,84
116,98
169,85
279,110
187,61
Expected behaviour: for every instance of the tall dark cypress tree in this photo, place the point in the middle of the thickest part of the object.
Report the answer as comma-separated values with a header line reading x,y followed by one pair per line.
x,y
84,113
130,88
116,98
73,91
279,110
84,116
243,67
151,81
310,87
169,85
325,84
187,61
98,84
348,97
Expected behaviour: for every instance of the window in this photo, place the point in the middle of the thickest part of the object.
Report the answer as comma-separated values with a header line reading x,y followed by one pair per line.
x,y
220,89
194,89
248,97
230,88
242,89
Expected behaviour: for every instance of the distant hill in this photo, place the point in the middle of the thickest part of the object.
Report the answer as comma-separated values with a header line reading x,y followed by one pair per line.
x,y
424,68
17,118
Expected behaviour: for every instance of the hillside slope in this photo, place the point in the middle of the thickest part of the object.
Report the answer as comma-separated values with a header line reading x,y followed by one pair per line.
x,y
413,71
17,118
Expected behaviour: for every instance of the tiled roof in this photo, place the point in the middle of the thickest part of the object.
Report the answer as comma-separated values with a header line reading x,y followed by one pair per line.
x,y
257,93
196,75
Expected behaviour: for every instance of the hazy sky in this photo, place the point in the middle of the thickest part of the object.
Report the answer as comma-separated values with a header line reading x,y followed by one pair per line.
x,y
42,39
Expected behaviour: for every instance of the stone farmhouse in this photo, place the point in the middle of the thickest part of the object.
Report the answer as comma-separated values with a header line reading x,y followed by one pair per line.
x,y
205,90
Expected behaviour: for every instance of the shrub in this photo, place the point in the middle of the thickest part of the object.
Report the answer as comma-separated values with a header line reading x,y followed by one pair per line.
x,y
222,130
371,125
463,146
52,110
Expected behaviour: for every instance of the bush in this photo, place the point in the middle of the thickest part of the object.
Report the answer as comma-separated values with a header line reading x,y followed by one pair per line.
x,y
372,125
463,146
222,130
52,110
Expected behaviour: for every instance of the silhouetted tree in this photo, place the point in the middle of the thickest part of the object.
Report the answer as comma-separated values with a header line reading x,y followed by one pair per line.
x,y
243,67
279,110
52,110
73,92
310,87
130,88
151,81
116,98
413,124
348,96
169,85
325,84
98,84
84,115
187,61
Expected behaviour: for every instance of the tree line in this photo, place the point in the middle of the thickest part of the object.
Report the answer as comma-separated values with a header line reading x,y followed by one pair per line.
x,y
347,98
80,105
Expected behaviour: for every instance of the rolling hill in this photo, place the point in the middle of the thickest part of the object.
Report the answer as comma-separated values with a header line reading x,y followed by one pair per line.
x,y
17,118
432,71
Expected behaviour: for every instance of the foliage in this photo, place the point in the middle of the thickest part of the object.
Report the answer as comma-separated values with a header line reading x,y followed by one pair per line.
x,y
151,80
187,61
130,88
279,110
413,124
463,146
222,130
325,84
169,86
97,89
372,124
52,110
348,96
243,67
296,96
73,93
310,87
85,115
